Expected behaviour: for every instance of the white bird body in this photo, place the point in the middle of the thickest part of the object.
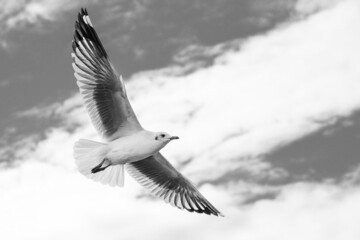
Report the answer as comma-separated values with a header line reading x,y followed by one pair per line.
x,y
128,143
133,148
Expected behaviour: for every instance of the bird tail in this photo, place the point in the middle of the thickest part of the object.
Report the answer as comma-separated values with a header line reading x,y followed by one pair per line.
x,y
89,154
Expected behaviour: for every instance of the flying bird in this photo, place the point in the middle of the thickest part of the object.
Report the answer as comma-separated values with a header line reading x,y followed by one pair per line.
x,y
128,144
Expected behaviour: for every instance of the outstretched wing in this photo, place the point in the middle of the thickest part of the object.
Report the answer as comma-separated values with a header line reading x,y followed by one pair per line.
x,y
101,88
158,175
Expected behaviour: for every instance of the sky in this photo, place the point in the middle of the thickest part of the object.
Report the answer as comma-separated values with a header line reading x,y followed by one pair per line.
x,y
265,96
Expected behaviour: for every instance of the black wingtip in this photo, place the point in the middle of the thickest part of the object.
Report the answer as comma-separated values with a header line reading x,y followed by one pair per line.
x,y
77,36
83,12
85,30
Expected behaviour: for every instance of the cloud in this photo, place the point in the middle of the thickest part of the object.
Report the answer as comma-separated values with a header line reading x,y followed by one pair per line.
x,y
45,201
266,93
272,91
17,15
55,110
306,7
305,212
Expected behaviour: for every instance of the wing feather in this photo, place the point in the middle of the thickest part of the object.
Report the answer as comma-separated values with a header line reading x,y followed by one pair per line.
x,y
101,88
164,181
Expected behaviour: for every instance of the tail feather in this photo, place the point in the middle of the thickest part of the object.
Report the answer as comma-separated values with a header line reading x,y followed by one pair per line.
x,y
89,154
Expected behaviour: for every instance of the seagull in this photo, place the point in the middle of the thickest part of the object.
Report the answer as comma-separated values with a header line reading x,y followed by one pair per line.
x,y
128,145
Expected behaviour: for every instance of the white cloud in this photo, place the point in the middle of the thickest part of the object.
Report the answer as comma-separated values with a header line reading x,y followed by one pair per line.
x,y
305,212
56,110
268,94
43,202
248,103
306,7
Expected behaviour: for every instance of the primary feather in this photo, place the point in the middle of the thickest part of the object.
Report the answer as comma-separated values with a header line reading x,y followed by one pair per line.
x,y
102,90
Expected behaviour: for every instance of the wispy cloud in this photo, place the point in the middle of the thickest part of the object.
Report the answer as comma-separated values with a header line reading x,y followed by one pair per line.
x,y
54,110
307,7
18,15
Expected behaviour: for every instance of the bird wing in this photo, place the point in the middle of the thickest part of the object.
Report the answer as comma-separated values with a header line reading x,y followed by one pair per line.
x,y
158,175
101,88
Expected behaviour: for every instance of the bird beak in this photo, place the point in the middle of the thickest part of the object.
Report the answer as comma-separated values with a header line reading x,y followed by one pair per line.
x,y
174,137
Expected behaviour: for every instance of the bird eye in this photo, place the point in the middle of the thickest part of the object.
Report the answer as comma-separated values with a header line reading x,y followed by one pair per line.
x,y
162,135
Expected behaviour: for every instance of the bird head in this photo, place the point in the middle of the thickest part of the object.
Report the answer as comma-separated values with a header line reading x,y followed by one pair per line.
x,y
164,137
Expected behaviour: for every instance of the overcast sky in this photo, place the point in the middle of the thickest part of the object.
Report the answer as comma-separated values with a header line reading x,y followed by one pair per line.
x,y
265,96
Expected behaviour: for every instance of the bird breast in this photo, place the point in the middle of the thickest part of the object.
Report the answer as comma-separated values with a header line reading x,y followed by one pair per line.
x,y
132,148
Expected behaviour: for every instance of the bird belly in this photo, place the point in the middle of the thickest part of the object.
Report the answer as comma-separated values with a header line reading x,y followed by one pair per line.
x,y
121,156
127,150
132,148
